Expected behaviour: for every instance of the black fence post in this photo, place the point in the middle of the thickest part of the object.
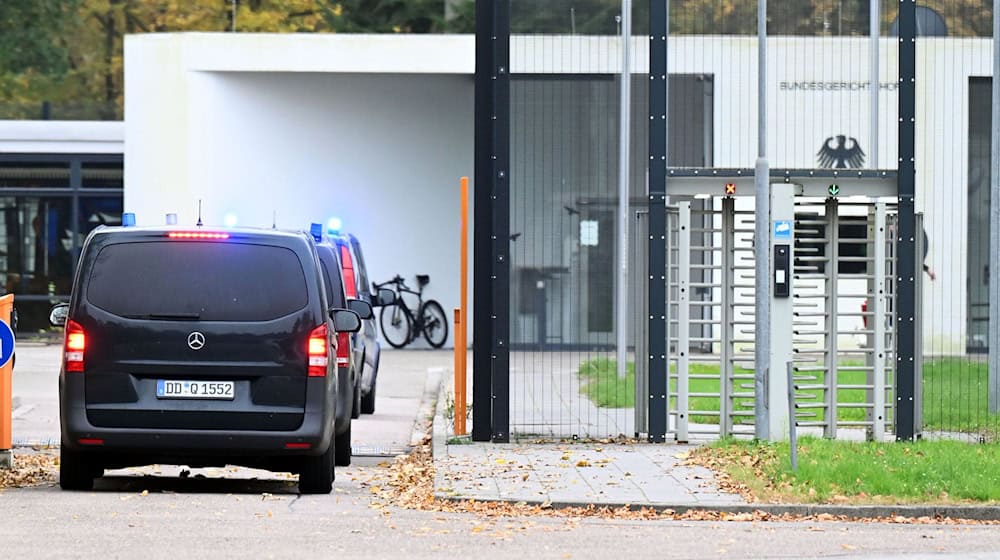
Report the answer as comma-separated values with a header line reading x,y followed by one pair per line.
x,y
657,311
907,270
482,324
500,286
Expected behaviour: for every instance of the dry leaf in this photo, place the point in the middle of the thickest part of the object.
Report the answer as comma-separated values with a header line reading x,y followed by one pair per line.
x,y
30,470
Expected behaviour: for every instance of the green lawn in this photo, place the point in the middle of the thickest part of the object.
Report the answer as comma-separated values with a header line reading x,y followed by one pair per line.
x,y
847,472
599,381
954,393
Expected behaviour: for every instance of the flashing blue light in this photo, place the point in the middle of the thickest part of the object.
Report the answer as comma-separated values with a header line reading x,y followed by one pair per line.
x,y
128,219
333,226
316,230
230,220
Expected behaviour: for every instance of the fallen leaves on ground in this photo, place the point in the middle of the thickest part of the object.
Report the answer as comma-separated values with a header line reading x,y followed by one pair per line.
x,y
30,469
718,459
408,483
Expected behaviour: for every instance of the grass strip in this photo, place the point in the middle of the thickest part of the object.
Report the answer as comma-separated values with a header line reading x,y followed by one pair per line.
x,y
954,393
841,472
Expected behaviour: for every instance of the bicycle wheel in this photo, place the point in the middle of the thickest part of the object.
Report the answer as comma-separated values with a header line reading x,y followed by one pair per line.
x,y
435,323
396,325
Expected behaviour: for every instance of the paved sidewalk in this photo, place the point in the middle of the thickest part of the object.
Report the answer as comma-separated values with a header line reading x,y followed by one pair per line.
x,y
577,474
571,474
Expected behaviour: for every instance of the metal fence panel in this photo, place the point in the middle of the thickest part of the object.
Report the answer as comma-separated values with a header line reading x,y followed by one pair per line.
x,y
955,109
565,78
565,66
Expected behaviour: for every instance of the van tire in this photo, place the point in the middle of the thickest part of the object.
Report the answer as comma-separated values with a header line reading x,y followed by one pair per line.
x,y
342,442
75,471
356,403
368,401
316,476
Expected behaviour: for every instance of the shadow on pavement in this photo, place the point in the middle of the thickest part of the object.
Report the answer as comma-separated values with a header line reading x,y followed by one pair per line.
x,y
195,485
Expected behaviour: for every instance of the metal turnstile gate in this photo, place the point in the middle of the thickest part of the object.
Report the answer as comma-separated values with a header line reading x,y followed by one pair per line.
x,y
843,339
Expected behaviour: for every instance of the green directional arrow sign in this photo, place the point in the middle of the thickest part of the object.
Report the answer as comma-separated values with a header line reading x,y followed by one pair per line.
x,y
834,190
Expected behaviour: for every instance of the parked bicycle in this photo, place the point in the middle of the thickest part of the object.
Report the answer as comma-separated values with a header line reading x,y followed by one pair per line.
x,y
401,326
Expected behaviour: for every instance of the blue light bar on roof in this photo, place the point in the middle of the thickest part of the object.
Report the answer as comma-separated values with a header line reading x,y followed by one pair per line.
x,y
316,230
128,219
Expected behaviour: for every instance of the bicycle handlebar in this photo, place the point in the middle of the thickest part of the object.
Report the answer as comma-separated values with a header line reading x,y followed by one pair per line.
x,y
397,280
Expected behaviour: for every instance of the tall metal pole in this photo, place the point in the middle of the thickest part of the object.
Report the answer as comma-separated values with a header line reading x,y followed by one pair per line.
x,y
482,228
994,266
762,239
907,268
873,26
659,25
624,124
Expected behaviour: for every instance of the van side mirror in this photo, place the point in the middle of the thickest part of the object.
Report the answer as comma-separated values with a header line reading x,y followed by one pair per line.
x,y
345,320
385,296
361,307
59,314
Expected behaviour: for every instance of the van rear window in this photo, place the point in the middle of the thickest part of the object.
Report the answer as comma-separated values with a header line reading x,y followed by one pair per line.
x,y
197,280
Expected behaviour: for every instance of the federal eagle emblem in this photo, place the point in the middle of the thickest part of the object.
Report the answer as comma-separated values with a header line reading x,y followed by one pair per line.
x,y
845,153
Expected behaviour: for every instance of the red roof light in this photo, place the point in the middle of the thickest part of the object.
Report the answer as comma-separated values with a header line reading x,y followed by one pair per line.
x,y
197,235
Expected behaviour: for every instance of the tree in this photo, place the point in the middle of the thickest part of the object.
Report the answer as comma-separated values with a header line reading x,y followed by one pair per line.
x,y
98,63
33,54
388,16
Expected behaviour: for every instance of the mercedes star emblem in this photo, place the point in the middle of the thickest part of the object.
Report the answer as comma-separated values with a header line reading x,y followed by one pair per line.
x,y
196,340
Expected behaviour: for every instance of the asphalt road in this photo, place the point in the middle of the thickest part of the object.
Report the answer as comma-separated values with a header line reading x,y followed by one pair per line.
x,y
218,513
224,519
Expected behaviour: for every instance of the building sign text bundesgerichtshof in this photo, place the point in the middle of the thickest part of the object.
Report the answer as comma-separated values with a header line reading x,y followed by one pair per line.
x,y
807,85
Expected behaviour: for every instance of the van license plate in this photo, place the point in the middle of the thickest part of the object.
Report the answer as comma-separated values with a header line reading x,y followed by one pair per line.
x,y
169,389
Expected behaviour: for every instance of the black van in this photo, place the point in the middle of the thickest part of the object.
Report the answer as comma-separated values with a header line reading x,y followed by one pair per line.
x,y
345,265
200,347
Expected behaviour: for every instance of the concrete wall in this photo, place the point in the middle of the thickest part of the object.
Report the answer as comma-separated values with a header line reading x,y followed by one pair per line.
x,y
384,152
61,137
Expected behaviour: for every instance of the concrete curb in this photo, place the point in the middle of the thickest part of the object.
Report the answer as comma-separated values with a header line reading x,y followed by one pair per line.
x,y
975,513
428,405
439,430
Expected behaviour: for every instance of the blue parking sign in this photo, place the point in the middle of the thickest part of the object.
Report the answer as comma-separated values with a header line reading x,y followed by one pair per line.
x,y
6,343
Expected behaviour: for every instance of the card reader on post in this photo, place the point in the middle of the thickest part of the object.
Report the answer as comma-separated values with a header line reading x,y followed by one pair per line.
x,y
782,270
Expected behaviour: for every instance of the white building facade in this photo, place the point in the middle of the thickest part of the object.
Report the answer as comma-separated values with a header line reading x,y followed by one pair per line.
x,y
378,130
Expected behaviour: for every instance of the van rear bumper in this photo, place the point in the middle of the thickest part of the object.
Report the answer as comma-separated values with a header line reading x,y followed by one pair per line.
x,y
312,437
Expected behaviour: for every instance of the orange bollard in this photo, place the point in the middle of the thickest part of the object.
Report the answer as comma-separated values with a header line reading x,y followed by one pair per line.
x,y
459,374
6,392
461,313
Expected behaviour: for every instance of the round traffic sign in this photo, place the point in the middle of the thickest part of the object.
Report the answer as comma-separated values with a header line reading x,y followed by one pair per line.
x,y
6,343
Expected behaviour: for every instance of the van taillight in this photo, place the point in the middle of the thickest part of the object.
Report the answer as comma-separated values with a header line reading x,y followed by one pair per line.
x,y
76,343
318,352
347,263
343,349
